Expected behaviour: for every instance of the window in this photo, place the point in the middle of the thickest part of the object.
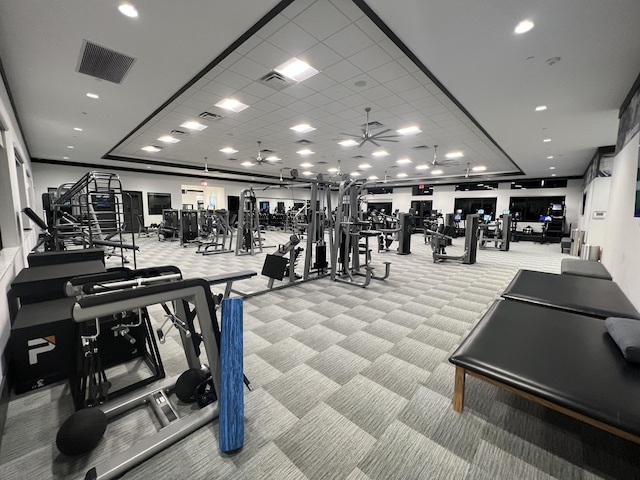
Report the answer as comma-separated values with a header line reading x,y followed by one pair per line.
x,y
158,202
465,187
472,205
531,208
541,183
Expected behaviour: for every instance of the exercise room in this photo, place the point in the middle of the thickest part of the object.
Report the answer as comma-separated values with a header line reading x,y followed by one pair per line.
x,y
319,239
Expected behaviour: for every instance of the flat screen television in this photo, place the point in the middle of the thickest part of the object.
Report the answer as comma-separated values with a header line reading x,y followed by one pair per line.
x,y
487,218
158,202
480,211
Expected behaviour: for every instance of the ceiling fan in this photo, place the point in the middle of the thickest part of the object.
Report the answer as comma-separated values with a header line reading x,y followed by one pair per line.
x,y
367,136
259,159
442,163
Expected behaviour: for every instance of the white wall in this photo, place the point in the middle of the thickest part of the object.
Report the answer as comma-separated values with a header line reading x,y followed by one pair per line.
x,y
15,193
622,242
444,197
48,175
597,201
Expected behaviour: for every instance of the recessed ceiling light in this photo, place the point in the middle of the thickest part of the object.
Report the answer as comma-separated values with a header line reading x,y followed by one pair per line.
x,y
546,140
424,166
403,160
332,170
305,151
306,165
70,146
348,143
272,158
364,165
193,125
541,108
451,155
524,26
168,139
549,157
297,70
307,172
373,177
77,129
355,174
151,149
409,130
231,104
553,174
128,10
401,175
65,158
479,168
380,153
436,172
303,128
246,164
228,150
552,168
481,184
92,95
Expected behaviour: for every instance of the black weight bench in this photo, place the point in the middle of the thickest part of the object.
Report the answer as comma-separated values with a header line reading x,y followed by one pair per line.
x,y
594,297
584,268
561,360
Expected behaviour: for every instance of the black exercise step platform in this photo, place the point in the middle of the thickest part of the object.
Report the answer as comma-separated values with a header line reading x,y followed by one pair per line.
x,y
584,295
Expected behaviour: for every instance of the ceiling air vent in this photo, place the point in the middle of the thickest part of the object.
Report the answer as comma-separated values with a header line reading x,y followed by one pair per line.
x,y
421,147
358,156
373,125
304,142
210,116
179,133
276,80
266,150
103,63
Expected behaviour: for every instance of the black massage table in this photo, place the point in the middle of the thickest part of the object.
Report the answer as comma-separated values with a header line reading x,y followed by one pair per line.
x,y
584,295
564,361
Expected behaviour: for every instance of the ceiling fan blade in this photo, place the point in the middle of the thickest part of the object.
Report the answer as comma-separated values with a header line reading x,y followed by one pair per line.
x,y
374,142
377,135
351,135
384,139
381,132
362,142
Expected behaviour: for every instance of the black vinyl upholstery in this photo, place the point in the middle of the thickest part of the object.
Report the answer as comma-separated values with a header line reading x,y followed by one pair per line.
x,y
585,295
561,357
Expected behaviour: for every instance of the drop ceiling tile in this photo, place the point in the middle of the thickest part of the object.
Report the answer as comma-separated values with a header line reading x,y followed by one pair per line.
x,y
320,57
318,99
369,82
354,101
322,20
338,91
281,99
391,48
319,82
292,39
268,55
248,68
414,94
403,84
232,79
401,109
370,58
387,72
275,24
296,8
368,27
389,101
258,90
342,71
377,92
349,41
348,9
219,89
408,65
299,91
224,63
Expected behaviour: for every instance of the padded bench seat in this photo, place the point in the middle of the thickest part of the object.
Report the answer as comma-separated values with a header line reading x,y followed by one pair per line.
x,y
565,244
564,361
584,268
584,295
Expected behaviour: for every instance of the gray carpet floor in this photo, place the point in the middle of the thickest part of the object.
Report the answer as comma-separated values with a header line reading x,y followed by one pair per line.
x,y
349,383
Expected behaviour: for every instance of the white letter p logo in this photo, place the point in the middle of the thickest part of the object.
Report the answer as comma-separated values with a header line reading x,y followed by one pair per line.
x,y
40,345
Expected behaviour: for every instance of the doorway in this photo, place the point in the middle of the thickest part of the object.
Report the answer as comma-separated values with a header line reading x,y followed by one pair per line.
x,y
133,211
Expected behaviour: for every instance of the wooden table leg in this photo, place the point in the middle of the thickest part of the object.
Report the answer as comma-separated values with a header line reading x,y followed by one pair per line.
x,y
458,389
